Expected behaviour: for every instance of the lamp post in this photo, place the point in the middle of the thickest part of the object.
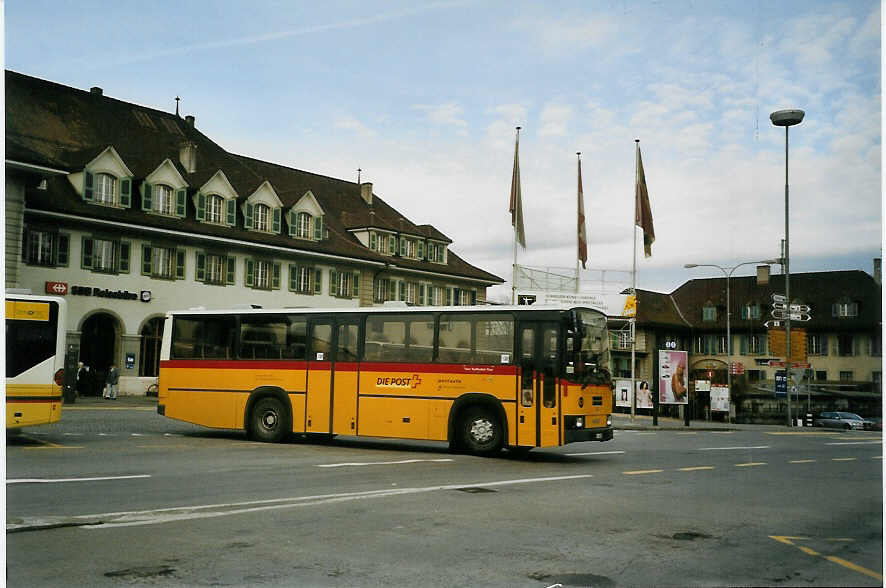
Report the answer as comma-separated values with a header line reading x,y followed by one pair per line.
x,y
786,119
727,271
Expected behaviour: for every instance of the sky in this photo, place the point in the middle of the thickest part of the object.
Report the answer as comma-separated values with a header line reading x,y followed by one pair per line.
x,y
424,97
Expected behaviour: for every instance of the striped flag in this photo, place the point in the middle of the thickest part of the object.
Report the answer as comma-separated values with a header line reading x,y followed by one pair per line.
x,y
516,206
582,234
643,211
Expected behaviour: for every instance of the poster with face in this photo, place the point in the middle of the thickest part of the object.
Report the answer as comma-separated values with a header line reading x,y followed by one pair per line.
x,y
644,395
673,377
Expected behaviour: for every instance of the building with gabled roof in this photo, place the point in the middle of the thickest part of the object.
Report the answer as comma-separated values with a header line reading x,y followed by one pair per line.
x,y
130,211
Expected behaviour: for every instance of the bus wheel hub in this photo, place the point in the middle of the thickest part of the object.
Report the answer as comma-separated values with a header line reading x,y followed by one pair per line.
x,y
269,420
482,430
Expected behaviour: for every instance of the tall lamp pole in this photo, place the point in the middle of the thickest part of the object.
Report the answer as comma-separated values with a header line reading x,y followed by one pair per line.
x,y
727,271
787,118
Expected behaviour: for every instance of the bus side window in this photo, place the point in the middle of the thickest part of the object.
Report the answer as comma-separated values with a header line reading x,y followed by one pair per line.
x,y
347,343
321,342
296,338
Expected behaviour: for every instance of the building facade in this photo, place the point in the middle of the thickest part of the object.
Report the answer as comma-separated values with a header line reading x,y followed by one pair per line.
x,y
842,339
129,212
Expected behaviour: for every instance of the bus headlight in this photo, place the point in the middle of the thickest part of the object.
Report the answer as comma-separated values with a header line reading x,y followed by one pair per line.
x,y
579,423
609,421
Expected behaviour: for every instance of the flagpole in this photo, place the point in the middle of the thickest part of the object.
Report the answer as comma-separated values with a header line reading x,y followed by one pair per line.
x,y
578,232
517,225
634,287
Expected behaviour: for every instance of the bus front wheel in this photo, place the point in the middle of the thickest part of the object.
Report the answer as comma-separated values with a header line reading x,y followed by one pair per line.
x,y
480,431
268,420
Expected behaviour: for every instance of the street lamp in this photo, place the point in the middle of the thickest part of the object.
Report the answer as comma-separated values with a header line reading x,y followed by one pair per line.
x,y
727,271
786,119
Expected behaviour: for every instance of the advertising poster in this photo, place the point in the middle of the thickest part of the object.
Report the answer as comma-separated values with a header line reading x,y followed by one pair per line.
x,y
644,395
623,393
673,377
719,399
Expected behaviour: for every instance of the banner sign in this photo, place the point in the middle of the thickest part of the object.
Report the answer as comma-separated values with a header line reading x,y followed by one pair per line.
x,y
673,377
623,393
702,385
610,304
719,399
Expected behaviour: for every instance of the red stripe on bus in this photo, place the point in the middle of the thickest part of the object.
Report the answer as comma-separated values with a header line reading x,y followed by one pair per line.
x,y
369,366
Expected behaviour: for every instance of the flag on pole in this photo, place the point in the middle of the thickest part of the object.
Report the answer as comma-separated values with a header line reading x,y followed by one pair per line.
x,y
516,206
643,210
582,234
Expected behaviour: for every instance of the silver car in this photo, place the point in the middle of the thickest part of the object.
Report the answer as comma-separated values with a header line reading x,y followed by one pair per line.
x,y
840,420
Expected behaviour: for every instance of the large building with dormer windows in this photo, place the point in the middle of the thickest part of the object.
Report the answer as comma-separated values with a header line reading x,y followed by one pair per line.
x,y
129,212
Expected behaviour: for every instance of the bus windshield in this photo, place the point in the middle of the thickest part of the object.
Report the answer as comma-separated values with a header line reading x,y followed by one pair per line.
x,y
588,349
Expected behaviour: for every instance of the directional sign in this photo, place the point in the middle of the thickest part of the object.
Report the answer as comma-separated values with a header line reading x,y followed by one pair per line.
x,y
800,308
779,298
781,384
779,305
794,316
773,324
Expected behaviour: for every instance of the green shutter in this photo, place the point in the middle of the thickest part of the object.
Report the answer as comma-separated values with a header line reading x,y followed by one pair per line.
x,y
473,297
179,264
421,250
125,192
293,275
146,260
146,196
743,344
275,276
275,221
392,290
231,212
125,248
249,209
421,294
87,187
201,206
356,279
448,296
200,267
318,280
373,240
230,266
63,245
181,203
392,244
318,228
333,284
250,273
86,253
402,291
402,246
291,215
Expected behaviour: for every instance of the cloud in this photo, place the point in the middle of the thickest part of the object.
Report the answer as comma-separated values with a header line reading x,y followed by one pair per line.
x,y
448,113
349,123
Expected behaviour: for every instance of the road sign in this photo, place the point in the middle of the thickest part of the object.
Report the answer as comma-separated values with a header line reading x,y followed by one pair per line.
x,y
779,298
801,365
737,368
781,383
794,316
800,308
773,324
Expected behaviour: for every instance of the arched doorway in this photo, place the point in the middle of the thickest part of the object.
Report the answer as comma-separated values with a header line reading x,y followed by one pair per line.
x,y
152,334
98,344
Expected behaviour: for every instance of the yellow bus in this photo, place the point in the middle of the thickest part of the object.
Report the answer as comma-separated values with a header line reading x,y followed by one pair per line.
x,y
35,359
480,378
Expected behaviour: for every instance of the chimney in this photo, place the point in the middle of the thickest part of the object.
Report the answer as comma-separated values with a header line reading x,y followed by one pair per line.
x,y
878,270
190,120
366,192
96,90
187,155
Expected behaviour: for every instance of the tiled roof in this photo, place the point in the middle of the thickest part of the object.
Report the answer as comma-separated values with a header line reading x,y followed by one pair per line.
x,y
818,290
56,126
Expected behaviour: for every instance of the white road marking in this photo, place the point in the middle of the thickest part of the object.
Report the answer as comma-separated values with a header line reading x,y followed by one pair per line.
x,y
731,448
166,515
595,453
373,463
57,480
877,441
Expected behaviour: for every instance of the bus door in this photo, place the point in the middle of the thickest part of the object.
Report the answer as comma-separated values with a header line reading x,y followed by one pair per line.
x,y
318,414
345,375
538,419
332,376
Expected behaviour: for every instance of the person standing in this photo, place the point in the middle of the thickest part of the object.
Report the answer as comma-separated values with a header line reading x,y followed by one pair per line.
x,y
111,382
82,386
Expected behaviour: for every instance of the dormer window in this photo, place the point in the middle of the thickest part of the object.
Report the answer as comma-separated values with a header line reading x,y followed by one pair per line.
x,y
262,217
845,309
304,226
105,189
709,312
163,200
215,209
436,252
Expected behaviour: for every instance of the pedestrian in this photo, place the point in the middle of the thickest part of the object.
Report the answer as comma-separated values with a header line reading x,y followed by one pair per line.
x,y
82,385
111,382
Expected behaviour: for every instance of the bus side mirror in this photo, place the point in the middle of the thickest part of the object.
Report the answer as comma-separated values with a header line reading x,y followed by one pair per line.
x,y
577,326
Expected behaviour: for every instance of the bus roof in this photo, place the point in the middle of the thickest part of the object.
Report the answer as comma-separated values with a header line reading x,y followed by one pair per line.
x,y
385,309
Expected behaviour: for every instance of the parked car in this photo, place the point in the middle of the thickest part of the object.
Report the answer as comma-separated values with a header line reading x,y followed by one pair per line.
x,y
839,420
873,424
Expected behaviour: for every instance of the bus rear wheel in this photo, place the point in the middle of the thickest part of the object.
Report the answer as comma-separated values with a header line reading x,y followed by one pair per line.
x,y
480,431
268,421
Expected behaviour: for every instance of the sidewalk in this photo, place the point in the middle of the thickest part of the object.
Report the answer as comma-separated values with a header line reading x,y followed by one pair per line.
x,y
623,422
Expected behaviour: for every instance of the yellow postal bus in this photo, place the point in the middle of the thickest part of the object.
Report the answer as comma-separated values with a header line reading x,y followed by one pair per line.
x,y
35,359
480,378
